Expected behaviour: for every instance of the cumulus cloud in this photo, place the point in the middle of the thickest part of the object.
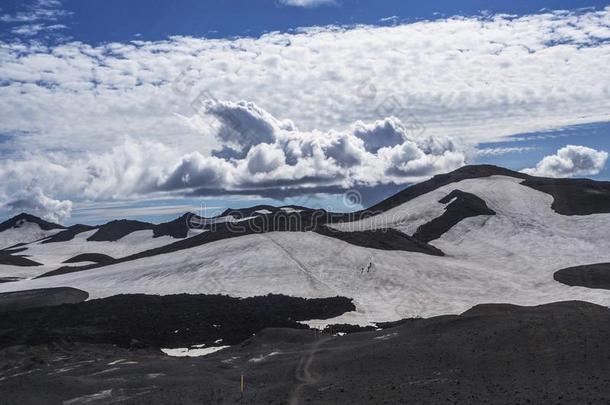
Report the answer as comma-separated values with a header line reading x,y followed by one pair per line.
x,y
244,124
472,78
264,158
34,201
410,160
272,152
195,170
307,3
127,170
380,134
570,161
270,156
277,159
327,107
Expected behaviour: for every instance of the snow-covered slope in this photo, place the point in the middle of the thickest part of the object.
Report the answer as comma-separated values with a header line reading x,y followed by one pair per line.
x,y
24,231
53,255
507,257
55,246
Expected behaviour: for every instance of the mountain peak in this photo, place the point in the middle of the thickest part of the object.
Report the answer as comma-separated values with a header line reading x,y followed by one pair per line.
x,y
19,219
483,170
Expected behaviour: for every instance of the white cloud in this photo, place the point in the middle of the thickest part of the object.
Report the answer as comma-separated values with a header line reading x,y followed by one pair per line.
x,y
274,157
35,17
29,30
195,170
327,106
129,169
264,158
307,3
409,160
504,150
468,78
34,201
570,161
39,10
392,19
389,132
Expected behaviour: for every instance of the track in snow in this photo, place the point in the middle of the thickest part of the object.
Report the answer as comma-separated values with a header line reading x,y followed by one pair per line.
x,y
311,278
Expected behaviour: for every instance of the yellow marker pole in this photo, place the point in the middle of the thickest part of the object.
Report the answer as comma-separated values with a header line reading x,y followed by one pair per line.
x,y
241,384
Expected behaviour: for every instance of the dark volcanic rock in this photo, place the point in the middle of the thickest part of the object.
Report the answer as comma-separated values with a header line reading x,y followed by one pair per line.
x,y
14,260
179,227
72,269
464,206
14,249
23,217
165,321
574,196
115,230
384,239
90,257
9,279
18,300
68,234
550,354
491,309
591,275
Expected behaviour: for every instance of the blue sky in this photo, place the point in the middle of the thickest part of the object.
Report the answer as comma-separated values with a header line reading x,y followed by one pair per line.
x,y
144,109
546,142
96,21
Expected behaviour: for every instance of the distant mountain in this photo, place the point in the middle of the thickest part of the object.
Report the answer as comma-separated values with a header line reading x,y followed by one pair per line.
x,y
20,220
24,228
478,234
115,230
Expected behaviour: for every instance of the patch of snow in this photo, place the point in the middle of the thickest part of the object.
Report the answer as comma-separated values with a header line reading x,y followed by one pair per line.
x,y
64,370
262,357
387,336
187,352
290,210
220,220
352,318
108,370
194,232
25,233
229,218
263,211
86,399
244,219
